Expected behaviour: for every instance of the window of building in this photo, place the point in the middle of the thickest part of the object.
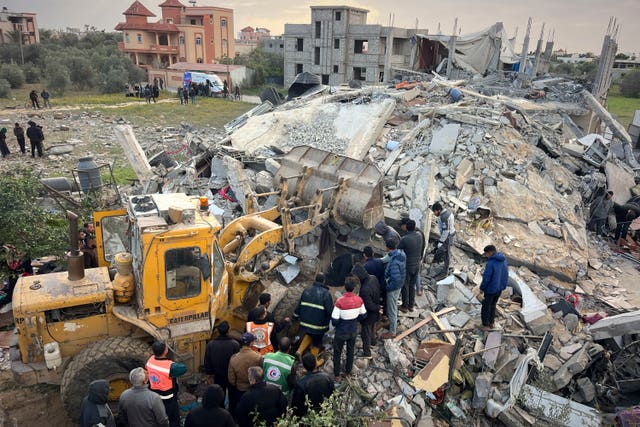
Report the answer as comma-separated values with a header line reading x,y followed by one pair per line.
x,y
299,68
318,29
169,21
336,68
325,79
181,40
163,40
299,45
336,43
182,275
193,22
281,46
223,23
126,38
316,56
338,16
139,38
199,60
359,73
198,41
361,46
398,46
270,45
224,46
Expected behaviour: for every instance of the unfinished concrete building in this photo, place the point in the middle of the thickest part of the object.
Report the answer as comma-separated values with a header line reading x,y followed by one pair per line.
x,y
340,46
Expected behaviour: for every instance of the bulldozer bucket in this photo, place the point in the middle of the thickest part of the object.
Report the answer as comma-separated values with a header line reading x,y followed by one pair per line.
x,y
309,170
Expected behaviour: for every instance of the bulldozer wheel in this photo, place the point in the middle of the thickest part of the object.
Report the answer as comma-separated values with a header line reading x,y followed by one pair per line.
x,y
288,304
111,359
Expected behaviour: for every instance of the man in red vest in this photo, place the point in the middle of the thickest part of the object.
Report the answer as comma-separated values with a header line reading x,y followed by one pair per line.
x,y
162,380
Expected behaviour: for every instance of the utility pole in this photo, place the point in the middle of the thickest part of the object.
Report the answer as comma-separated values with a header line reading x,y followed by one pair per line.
x,y
20,42
452,50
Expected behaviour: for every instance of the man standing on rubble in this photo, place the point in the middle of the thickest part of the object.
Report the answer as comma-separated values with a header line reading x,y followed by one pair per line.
x,y
370,294
349,309
375,267
494,281
412,243
446,226
394,276
314,311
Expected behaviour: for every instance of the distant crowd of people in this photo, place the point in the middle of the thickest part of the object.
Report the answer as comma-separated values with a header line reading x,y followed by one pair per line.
x,y
35,101
34,133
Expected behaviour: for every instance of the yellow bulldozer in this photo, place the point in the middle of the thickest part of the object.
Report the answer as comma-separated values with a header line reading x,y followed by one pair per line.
x,y
178,274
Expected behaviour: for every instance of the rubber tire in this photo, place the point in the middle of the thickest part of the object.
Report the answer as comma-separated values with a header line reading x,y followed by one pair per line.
x,y
288,304
100,360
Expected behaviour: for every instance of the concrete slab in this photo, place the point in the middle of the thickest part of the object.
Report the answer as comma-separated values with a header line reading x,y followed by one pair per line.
x,y
489,357
443,140
481,391
615,326
532,307
560,410
459,319
620,181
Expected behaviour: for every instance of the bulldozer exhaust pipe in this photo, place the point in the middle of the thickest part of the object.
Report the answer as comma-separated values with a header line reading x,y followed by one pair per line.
x,y
75,258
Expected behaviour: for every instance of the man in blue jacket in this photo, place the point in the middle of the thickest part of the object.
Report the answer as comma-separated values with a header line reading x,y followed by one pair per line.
x,y
394,276
494,281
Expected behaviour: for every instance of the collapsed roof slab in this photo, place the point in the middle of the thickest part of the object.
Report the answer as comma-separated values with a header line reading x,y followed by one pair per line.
x,y
342,128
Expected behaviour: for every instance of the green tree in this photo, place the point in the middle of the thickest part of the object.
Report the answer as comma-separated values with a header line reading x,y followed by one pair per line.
x,y
81,73
263,64
31,73
19,217
5,88
57,77
13,73
630,85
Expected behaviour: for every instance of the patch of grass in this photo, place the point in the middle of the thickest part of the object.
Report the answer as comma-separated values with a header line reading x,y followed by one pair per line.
x,y
622,107
214,112
20,98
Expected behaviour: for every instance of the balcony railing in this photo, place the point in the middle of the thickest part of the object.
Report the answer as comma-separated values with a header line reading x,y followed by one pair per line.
x,y
163,48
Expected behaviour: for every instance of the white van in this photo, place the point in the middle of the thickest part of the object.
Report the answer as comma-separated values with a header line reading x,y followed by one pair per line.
x,y
213,81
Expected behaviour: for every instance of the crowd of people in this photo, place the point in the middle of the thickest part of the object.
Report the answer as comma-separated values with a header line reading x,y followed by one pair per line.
x,y
34,133
256,378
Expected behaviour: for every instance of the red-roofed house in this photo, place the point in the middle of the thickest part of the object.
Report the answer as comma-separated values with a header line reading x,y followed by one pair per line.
x,y
197,34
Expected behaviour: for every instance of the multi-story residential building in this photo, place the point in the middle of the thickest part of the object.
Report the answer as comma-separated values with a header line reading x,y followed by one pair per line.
x,y
24,23
194,34
339,46
250,39
274,44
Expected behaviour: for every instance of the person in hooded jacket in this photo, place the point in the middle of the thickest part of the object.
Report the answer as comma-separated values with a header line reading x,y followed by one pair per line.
x,y
94,410
212,410
394,276
370,294
494,281
387,232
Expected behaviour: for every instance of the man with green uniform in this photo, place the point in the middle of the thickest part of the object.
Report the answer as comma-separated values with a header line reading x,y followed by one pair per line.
x,y
278,366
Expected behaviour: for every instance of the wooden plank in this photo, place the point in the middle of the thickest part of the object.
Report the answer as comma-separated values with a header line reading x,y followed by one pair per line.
x,y
423,322
448,335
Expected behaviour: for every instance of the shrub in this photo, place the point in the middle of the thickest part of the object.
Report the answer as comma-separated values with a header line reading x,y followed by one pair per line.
x,y
13,74
5,88
31,73
630,85
114,80
57,78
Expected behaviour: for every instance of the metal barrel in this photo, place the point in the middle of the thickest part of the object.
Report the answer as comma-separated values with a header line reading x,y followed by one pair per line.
x,y
360,203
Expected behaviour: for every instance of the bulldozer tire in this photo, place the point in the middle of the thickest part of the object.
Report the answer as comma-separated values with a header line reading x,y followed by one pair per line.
x,y
288,304
111,359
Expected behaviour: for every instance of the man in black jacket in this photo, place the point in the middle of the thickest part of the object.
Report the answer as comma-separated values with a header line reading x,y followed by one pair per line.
x,y
314,311
94,409
217,355
412,244
35,135
264,402
315,385
370,294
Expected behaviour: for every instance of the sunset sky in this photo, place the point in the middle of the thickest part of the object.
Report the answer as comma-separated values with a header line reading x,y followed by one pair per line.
x,y
579,24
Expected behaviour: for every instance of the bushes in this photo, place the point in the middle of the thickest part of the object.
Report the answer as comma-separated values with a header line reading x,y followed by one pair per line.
x,y
5,88
57,78
13,74
31,73
630,85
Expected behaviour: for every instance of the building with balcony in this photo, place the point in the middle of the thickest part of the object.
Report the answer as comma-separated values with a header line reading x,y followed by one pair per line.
x,y
250,39
339,46
14,23
192,34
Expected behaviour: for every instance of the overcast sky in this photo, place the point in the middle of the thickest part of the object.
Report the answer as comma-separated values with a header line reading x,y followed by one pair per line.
x,y
579,24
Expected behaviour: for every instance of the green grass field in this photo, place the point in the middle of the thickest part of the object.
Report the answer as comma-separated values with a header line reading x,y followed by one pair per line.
x,y
621,107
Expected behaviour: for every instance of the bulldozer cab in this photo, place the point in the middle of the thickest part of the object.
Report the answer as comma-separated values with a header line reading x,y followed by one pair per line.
x,y
112,235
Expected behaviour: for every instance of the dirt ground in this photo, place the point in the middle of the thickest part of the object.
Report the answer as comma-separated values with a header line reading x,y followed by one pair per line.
x,y
38,405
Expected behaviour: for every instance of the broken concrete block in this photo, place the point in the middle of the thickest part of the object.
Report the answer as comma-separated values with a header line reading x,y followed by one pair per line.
x,y
576,364
620,181
532,307
443,288
396,356
560,410
535,228
615,326
271,165
264,182
489,357
572,348
481,391
395,194
586,389
571,321
407,169
459,319
443,140
464,171
552,362
541,325
552,229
